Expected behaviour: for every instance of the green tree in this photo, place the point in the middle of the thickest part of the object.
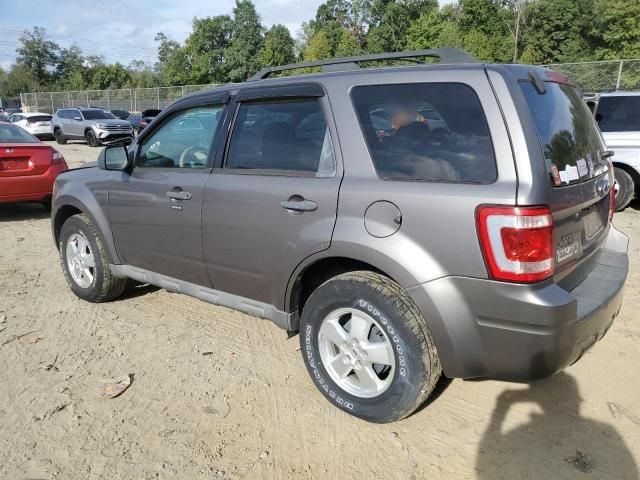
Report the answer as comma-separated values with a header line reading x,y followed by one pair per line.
x,y
433,30
37,54
246,37
347,46
109,76
319,48
559,31
278,47
618,28
20,79
207,46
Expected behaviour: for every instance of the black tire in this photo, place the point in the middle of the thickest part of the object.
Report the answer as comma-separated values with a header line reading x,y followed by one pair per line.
x,y
417,364
59,137
626,188
91,139
105,286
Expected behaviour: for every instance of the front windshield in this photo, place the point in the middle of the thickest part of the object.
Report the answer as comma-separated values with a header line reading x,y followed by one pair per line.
x,y
97,115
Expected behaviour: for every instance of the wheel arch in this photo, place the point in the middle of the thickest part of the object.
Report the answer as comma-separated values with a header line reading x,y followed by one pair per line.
x,y
67,206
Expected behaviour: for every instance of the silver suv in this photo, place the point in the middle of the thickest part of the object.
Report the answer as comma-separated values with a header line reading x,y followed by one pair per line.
x,y
407,222
93,125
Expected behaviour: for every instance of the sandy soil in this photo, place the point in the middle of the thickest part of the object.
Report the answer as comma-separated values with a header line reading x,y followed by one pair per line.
x,y
220,394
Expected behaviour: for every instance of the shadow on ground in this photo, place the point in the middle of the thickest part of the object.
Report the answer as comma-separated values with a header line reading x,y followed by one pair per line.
x,y
558,442
17,212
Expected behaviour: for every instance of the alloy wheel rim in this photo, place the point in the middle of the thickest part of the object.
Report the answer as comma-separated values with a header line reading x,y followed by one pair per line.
x,y
356,352
80,260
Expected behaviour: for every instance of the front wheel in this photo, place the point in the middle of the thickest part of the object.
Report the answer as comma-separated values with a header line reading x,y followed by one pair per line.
x,y
367,347
626,188
91,139
85,263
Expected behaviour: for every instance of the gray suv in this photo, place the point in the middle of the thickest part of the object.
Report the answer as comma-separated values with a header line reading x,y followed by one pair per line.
x,y
93,125
407,221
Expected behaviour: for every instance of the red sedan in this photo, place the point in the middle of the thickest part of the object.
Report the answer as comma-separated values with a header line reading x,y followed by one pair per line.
x,y
28,167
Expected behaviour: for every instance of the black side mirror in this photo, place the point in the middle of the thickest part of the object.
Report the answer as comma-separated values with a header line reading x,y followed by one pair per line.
x,y
114,157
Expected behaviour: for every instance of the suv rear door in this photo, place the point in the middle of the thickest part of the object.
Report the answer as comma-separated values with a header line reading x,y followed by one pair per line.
x,y
155,209
272,198
578,180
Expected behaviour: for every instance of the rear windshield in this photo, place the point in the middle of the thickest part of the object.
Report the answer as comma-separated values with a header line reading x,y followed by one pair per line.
x,y
619,114
567,132
96,115
39,118
14,134
426,132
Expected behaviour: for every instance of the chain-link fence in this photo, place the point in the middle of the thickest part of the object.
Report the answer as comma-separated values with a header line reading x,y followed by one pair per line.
x,y
592,77
602,76
130,99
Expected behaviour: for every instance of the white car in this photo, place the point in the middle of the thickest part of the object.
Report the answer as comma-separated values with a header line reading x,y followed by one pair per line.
x,y
36,123
618,117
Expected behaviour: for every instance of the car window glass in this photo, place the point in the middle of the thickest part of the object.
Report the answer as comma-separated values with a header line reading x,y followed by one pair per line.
x,y
619,113
567,132
426,132
282,135
14,134
184,141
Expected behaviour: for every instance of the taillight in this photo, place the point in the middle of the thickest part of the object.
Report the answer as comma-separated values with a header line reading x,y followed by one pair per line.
x,y
517,242
57,157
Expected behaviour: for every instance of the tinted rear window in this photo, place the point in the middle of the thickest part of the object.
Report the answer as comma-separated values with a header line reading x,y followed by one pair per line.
x,y
567,132
14,134
619,114
39,118
426,132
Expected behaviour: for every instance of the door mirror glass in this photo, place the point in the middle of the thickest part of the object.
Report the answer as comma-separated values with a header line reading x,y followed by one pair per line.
x,y
114,158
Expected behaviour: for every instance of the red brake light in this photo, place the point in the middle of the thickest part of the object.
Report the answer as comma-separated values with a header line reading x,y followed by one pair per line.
x,y
557,77
517,242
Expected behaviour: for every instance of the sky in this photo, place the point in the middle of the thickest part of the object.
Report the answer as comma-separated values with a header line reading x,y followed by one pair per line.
x,y
123,30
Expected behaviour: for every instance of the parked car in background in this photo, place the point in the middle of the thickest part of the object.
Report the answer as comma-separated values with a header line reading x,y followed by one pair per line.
x,y
93,125
28,167
36,123
121,114
482,248
11,110
139,122
4,118
618,116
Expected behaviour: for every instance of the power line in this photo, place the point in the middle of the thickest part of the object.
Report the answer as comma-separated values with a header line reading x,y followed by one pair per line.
x,y
85,40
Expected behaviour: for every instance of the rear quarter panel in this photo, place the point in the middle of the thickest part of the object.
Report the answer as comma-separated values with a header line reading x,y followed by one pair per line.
x,y
437,236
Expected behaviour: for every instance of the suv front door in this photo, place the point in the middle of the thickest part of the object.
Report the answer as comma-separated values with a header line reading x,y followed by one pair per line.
x,y
271,201
155,210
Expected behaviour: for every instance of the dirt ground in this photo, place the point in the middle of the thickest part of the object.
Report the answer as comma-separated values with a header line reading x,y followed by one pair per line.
x,y
219,394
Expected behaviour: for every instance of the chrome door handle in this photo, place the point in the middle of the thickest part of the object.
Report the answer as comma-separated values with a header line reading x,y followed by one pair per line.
x,y
299,205
179,195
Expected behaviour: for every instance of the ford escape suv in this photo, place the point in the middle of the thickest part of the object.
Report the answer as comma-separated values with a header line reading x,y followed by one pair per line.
x,y
408,221
93,125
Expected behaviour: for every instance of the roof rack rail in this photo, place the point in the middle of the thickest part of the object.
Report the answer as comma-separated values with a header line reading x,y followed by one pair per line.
x,y
446,55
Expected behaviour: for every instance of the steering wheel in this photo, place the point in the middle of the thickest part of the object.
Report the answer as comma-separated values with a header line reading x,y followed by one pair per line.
x,y
188,158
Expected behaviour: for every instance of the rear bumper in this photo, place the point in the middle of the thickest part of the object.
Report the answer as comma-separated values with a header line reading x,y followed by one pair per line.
x,y
484,328
30,188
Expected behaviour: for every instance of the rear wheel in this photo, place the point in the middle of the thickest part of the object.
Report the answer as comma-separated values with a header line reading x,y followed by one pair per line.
x,y
626,188
84,262
91,139
59,137
367,347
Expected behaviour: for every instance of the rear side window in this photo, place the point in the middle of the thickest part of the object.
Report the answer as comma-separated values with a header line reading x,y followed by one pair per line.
x,y
282,136
426,131
619,114
567,132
